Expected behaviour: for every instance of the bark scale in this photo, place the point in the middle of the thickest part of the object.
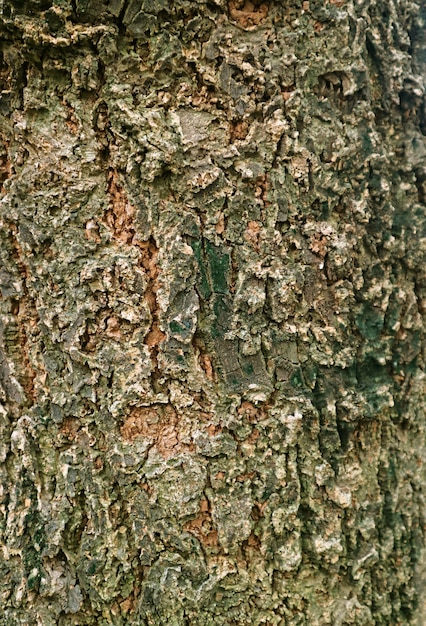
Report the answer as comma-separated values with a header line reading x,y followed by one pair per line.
x,y
212,279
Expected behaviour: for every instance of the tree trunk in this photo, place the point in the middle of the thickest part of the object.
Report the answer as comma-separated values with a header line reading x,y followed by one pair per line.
x,y
211,337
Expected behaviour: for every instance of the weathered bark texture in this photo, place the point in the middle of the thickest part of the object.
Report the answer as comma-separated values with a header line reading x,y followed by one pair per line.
x,y
211,335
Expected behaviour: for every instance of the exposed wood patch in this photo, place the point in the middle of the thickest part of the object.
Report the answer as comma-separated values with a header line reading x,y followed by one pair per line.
x,y
207,365
252,234
26,321
252,542
253,414
128,605
258,510
318,245
220,225
248,12
119,216
155,335
262,190
287,91
158,423
214,429
238,130
204,359
242,478
69,428
202,526
119,219
104,324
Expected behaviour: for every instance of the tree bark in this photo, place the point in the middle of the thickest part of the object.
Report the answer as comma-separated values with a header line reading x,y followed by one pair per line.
x,y
212,279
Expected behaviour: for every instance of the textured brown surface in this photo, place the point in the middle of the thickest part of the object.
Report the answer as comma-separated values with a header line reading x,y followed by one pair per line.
x,y
212,312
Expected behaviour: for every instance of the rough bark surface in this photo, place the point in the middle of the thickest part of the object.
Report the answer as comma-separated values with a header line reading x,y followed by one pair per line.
x,y
212,378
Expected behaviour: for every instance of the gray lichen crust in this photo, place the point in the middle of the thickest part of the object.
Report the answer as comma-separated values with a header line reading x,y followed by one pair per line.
x,y
212,287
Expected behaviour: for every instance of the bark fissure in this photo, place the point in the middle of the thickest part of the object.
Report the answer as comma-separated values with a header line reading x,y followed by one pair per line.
x,y
155,335
24,320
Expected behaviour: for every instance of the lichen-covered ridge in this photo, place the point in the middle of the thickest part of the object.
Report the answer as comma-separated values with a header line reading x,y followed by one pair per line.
x,y
212,312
